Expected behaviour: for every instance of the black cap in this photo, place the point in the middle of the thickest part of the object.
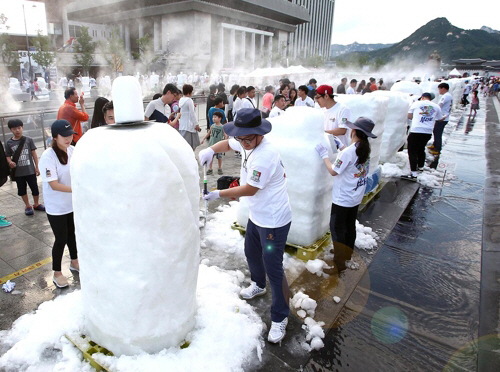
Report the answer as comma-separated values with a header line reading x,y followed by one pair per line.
x,y
62,127
248,121
431,96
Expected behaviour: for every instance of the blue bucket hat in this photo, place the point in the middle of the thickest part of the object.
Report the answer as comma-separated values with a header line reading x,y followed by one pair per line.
x,y
363,124
248,121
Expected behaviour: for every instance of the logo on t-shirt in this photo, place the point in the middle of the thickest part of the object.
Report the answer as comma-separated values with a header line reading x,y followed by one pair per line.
x,y
344,120
338,163
256,176
47,173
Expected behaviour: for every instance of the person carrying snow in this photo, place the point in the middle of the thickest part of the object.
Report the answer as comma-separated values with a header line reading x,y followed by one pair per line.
x,y
263,182
350,170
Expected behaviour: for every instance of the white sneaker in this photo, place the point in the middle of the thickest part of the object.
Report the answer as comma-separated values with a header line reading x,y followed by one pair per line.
x,y
60,281
278,331
252,291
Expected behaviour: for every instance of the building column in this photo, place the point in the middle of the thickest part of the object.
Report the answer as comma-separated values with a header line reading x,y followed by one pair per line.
x,y
156,34
127,38
233,47
261,50
65,26
141,28
270,51
252,50
164,33
121,31
221,46
243,46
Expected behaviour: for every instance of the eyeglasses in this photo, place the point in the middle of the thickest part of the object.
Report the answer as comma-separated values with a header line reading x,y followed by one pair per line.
x,y
248,139
318,96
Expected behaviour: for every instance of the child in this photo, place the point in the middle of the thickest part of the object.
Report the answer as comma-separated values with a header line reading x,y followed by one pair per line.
x,y
25,165
216,134
474,105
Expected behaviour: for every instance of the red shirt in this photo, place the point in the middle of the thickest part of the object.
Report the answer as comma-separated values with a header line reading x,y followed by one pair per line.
x,y
373,87
69,112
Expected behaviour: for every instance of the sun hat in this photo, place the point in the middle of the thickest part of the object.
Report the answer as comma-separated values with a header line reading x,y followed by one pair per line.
x,y
248,121
363,124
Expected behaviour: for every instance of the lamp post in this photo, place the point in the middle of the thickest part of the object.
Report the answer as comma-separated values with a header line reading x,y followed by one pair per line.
x,y
27,41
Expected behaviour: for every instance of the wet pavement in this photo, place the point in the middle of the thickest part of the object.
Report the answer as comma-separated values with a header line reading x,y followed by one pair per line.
x,y
412,306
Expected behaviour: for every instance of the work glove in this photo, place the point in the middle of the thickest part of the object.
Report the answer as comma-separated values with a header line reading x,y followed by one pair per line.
x,y
205,156
211,196
338,143
321,150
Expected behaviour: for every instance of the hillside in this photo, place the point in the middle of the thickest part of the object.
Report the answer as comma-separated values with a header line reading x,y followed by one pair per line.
x,y
339,49
439,34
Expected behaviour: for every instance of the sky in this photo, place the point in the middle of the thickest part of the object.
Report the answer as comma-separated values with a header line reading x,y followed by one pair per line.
x,y
390,21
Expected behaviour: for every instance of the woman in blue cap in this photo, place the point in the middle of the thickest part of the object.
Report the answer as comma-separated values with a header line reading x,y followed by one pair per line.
x,y
263,181
55,170
350,170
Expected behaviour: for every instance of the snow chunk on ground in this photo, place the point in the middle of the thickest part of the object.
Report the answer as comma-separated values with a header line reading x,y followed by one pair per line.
x,y
314,334
336,299
316,267
226,335
304,302
365,238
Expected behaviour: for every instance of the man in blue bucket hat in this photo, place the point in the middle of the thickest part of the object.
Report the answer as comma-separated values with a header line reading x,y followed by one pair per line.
x,y
263,182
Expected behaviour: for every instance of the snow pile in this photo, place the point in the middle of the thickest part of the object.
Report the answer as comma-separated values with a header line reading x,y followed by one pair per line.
x,y
396,166
407,87
304,302
457,87
375,108
139,242
431,87
366,238
227,334
315,334
296,134
395,124
316,267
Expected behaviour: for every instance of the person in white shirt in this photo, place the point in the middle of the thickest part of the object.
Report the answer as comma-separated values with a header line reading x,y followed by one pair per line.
x,y
188,124
446,103
467,90
278,106
159,109
350,170
55,170
249,100
423,115
352,87
263,183
303,99
238,102
336,115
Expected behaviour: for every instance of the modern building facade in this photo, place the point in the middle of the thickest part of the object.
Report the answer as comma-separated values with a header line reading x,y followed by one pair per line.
x,y
200,35
313,38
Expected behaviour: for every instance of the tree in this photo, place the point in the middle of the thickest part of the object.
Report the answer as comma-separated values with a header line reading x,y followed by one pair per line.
x,y
8,50
363,60
85,48
44,56
146,55
114,52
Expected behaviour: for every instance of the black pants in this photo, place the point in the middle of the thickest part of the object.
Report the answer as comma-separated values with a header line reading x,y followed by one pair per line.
x,y
438,134
64,231
416,149
30,180
343,230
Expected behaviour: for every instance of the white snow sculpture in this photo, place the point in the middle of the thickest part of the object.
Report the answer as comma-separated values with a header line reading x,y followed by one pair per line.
x,y
431,87
407,87
395,123
373,107
136,200
14,86
295,134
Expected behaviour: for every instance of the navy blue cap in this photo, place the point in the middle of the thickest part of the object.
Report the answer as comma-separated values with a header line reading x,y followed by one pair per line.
x,y
248,121
62,127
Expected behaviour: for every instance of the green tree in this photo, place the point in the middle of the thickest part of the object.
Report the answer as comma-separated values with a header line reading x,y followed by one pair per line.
x,y
8,50
85,48
363,60
146,55
44,55
113,52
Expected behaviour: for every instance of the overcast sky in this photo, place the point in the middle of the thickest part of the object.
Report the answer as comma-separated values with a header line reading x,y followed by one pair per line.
x,y
390,21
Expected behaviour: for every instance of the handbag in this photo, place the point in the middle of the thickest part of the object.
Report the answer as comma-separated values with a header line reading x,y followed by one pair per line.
x,y
16,157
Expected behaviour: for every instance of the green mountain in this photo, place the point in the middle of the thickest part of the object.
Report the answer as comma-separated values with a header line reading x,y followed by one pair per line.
x,y
439,34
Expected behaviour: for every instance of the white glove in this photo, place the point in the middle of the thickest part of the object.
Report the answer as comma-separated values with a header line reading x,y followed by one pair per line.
x,y
339,143
205,156
211,196
321,150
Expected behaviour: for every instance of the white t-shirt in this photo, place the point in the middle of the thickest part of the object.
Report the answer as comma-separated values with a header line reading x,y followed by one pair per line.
x,y
188,120
306,102
425,113
337,116
350,183
248,103
276,111
237,106
351,90
446,102
270,206
157,110
467,89
57,203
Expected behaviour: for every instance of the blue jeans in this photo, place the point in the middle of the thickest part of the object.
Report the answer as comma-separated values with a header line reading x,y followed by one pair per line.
x,y
264,249
438,134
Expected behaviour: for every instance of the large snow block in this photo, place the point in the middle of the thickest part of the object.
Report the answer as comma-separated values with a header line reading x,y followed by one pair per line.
x,y
431,87
407,87
136,207
296,133
374,107
395,124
